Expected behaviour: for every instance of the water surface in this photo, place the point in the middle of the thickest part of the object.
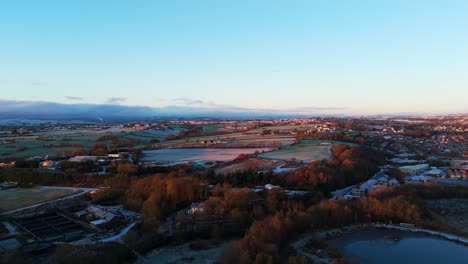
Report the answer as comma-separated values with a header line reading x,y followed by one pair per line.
x,y
392,246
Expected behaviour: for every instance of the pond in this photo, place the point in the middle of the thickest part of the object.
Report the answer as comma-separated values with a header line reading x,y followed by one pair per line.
x,y
391,246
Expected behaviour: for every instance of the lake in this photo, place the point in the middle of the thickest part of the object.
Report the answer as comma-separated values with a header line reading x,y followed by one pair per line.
x,y
379,246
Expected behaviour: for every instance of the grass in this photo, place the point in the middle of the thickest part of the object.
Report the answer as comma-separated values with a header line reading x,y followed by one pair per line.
x,y
300,152
212,128
197,154
12,199
280,128
252,163
48,142
306,151
233,138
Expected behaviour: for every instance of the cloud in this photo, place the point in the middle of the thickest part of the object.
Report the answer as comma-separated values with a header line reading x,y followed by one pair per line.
x,y
188,101
208,104
115,100
200,103
313,109
74,98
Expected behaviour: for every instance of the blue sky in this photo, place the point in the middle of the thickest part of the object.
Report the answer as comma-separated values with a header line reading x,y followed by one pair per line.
x,y
363,56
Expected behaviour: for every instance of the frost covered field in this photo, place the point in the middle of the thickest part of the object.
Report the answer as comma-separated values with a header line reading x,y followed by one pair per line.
x,y
197,154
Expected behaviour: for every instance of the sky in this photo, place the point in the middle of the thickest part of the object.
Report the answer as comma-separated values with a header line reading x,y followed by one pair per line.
x,y
356,57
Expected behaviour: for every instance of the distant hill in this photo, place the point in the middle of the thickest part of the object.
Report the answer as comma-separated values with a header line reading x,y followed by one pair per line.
x,y
110,112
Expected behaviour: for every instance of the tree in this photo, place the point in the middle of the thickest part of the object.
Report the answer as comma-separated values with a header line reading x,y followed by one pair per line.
x,y
154,140
99,149
298,259
397,174
125,169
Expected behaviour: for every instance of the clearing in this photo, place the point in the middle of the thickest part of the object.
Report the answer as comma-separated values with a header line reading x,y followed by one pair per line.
x,y
252,163
16,198
299,152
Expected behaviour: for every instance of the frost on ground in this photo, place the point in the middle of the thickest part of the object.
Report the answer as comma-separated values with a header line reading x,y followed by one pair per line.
x,y
451,211
184,254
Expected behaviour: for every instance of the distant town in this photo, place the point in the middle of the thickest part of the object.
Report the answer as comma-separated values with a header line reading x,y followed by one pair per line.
x,y
209,185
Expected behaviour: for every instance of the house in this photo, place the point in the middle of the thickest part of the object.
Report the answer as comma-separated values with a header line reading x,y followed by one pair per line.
x,y
418,178
435,172
101,214
52,156
196,208
7,165
98,222
270,186
48,164
35,158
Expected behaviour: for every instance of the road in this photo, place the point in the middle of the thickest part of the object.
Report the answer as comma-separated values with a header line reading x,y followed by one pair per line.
x,y
69,188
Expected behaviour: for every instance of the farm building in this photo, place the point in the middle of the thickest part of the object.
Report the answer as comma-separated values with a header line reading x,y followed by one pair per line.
x,y
83,158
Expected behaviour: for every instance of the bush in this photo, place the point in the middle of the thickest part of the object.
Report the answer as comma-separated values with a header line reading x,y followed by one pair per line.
x,y
200,245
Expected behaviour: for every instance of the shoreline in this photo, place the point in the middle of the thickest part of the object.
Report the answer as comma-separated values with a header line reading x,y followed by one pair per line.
x,y
338,232
330,234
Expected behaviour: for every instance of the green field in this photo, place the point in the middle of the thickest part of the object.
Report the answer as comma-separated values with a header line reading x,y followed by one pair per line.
x,y
306,151
300,152
197,154
239,138
48,142
212,128
319,141
12,199
281,128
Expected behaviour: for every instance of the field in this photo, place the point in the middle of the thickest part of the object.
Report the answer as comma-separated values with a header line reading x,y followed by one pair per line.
x,y
320,141
146,135
12,199
197,154
62,141
232,140
184,254
301,152
48,142
281,128
252,163
306,151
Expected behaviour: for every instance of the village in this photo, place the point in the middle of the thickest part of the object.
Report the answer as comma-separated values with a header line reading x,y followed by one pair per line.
x,y
93,210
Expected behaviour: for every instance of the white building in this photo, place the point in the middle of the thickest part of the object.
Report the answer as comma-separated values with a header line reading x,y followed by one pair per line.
x,y
414,169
